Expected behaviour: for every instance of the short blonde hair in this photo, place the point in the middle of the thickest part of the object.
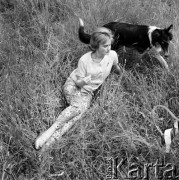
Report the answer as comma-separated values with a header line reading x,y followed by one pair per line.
x,y
100,36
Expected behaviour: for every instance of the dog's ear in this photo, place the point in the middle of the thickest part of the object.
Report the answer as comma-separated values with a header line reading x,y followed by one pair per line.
x,y
170,28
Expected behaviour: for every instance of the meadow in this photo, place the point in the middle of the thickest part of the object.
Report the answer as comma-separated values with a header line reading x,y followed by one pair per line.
x,y
39,48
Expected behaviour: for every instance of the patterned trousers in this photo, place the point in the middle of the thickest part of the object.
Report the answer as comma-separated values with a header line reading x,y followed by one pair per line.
x,y
78,104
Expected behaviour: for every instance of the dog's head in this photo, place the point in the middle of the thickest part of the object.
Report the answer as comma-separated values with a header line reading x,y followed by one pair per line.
x,y
161,39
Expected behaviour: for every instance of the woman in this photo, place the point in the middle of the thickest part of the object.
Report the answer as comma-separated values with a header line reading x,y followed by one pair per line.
x,y
93,68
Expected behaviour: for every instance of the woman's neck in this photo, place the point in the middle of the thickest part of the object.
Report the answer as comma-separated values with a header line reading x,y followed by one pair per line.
x,y
96,56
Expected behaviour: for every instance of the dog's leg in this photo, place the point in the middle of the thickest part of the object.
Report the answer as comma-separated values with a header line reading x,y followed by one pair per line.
x,y
162,61
155,53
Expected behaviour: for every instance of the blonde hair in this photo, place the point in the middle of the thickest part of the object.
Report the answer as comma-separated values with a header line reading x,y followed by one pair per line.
x,y
100,36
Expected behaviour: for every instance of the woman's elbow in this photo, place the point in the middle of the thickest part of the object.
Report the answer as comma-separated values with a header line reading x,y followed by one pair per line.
x,y
117,70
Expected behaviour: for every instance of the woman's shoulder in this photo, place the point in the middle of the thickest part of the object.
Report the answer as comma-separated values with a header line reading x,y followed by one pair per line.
x,y
113,53
85,57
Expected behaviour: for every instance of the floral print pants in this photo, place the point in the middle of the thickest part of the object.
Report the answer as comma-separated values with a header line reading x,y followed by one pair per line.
x,y
78,104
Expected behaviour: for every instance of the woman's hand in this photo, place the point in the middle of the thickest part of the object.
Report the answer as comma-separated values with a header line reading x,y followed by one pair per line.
x,y
84,81
87,79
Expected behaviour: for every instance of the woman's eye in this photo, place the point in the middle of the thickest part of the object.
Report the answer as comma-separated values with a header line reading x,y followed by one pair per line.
x,y
106,46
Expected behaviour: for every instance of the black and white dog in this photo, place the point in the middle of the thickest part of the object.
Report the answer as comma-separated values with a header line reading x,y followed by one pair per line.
x,y
138,37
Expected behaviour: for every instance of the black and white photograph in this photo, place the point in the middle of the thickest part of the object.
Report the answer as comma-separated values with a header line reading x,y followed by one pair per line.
x,y
89,90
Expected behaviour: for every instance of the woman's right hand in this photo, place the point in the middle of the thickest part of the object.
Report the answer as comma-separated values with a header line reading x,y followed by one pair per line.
x,y
82,82
87,79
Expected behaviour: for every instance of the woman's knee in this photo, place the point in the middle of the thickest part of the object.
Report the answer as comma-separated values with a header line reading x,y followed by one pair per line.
x,y
83,108
69,90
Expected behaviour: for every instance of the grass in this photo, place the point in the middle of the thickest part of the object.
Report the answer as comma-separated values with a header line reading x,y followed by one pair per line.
x,y
39,47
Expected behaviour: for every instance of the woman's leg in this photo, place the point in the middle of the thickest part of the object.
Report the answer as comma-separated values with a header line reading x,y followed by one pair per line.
x,y
77,105
82,106
65,115
69,90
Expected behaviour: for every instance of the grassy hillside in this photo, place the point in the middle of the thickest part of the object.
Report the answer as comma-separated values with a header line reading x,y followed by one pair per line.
x,y
39,47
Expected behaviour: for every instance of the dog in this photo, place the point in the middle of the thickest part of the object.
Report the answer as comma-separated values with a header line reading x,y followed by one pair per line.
x,y
141,38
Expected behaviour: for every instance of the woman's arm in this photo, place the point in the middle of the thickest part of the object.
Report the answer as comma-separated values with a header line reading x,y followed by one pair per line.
x,y
80,74
82,82
117,69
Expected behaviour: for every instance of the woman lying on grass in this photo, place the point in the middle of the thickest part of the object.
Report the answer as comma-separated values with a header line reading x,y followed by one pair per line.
x,y
93,68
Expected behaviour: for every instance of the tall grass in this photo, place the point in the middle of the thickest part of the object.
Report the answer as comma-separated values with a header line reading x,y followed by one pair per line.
x,y
39,47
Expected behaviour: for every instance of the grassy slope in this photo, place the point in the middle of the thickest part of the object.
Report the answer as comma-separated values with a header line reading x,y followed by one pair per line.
x,y
39,47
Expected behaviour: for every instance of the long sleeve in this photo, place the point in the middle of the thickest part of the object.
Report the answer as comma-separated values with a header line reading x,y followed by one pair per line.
x,y
81,69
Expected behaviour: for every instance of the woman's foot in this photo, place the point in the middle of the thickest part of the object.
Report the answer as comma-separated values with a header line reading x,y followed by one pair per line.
x,y
33,145
38,143
42,139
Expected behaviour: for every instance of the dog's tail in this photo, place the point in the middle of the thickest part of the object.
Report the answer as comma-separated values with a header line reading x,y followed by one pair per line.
x,y
83,36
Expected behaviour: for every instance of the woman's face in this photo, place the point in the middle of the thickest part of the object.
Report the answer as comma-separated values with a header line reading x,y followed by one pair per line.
x,y
105,48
